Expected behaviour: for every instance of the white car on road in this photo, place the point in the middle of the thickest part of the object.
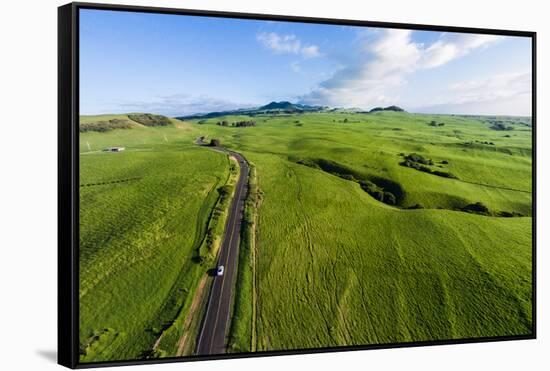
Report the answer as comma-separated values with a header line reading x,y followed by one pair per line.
x,y
219,271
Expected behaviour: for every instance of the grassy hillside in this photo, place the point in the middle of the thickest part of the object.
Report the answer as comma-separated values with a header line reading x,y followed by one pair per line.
x,y
370,144
331,264
104,123
350,270
335,266
143,217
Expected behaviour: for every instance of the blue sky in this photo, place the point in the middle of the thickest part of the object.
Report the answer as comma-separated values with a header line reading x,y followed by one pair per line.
x,y
177,65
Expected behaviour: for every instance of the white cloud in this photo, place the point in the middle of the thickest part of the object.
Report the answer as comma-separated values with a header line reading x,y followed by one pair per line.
x,y
180,104
310,51
282,44
370,83
453,46
498,86
392,58
505,94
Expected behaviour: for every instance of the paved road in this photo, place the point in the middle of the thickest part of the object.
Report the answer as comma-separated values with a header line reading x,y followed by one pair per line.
x,y
212,338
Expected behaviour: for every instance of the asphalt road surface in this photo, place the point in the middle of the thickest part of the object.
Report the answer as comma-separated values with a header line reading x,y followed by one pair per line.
x,y
212,337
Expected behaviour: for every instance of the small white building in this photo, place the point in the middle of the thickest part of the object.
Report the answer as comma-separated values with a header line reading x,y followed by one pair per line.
x,y
114,149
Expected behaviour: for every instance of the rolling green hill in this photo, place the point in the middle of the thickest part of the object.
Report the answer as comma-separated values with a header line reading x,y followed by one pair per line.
x,y
103,123
334,262
335,266
143,217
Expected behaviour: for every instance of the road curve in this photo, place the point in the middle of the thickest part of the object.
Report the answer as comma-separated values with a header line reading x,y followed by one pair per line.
x,y
212,337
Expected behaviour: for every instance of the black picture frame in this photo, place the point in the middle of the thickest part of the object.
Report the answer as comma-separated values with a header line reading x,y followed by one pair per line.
x,y
68,178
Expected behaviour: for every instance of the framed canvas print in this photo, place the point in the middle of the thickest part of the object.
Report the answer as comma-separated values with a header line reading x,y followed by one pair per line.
x,y
235,185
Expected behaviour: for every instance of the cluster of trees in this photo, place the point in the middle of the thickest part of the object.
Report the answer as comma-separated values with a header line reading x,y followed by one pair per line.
x,y
435,123
500,126
238,124
478,208
482,209
479,142
224,190
419,163
414,157
485,142
105,125
377,192
149,119
509,214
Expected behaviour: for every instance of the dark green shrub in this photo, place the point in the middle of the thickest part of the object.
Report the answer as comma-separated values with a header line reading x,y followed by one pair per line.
x,y
477,207
378,194
418,162
443,174
414,157
347,177
245,123
224,190
389,198
415,206
508,214
500,126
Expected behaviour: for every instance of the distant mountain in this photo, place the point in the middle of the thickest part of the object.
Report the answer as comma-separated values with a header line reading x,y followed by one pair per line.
x,y
270,108
389,108
278,105
287,106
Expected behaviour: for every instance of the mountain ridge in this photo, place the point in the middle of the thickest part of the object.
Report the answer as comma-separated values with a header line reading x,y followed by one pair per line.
x,y
282,107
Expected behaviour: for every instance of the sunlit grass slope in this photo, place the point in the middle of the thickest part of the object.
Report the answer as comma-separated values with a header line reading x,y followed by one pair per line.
x,y
337,267
334,266
142,213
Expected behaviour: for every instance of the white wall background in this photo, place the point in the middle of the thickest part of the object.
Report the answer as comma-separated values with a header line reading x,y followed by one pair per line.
x,y
28,101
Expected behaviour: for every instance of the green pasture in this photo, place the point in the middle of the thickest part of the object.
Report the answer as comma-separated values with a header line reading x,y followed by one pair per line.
x,y
336,267
138,236
333,266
